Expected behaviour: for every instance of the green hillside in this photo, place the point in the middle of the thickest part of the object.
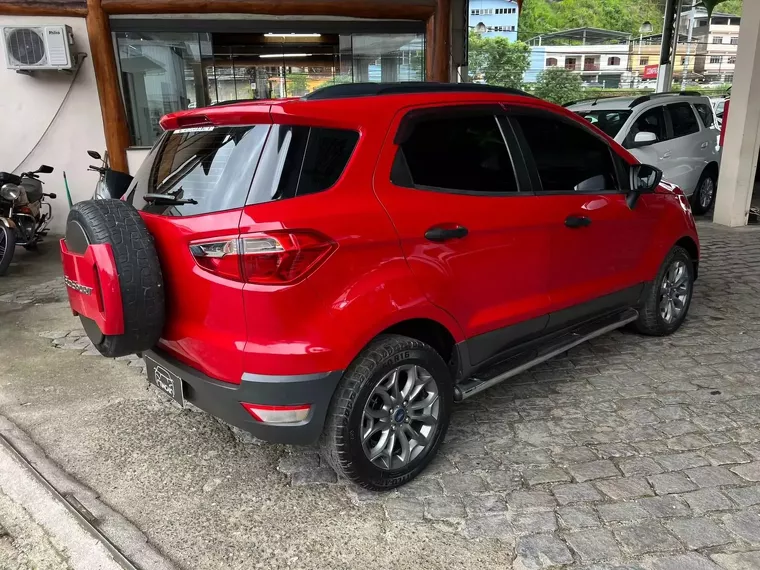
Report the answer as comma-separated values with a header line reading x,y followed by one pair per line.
x,y
544,16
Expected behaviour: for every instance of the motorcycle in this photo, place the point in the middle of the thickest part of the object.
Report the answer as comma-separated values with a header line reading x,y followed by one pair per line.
x,y
22,219
112,183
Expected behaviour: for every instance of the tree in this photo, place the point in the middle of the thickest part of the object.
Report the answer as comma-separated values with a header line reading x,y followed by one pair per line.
x,y
498,61
558,85
546,16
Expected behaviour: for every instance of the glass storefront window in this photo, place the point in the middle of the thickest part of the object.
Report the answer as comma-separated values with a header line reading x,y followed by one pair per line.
x,y
163,72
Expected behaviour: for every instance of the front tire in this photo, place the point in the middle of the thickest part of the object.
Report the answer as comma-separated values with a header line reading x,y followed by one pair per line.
x,y
7,248
704,196
667,301
389,414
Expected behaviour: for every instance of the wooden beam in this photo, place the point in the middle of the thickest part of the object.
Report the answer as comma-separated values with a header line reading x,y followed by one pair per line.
x,y
429,48
382,9
442,42
107,79
76,8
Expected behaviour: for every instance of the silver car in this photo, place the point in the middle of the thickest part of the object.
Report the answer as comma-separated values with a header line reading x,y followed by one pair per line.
x,y
678,133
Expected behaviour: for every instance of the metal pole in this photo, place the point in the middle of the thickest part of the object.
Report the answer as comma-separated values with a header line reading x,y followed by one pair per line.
x,y
689,37
665,75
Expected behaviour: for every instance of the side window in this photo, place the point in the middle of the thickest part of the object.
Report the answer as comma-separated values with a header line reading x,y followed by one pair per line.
x,y
464,153
651,121
299,160
683,119
705,113
567,157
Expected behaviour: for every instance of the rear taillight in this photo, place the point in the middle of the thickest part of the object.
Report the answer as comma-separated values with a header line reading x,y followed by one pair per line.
x,y
271,258
278,414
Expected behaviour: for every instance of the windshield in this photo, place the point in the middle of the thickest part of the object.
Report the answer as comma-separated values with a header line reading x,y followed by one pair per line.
x,y
608,121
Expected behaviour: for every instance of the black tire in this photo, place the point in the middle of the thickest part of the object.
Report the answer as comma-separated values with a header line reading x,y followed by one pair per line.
x,y
651,322
697,206
341,439
7,248
142,286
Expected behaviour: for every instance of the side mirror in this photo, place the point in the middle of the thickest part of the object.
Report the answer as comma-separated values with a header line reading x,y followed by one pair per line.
x,y
644,138
94,154
644,179
45,169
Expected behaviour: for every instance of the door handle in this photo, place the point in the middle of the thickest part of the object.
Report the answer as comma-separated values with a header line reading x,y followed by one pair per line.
x,y
442,233
577,222
666,155
704,144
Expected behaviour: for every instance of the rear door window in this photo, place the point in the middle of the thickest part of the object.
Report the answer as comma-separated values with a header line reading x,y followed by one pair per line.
x,y
706,114
459,153
299,160
212,166
651,121
683,119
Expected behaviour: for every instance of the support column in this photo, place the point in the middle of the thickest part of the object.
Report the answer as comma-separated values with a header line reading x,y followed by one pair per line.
x,y
389,67
742,143
107,80
442,42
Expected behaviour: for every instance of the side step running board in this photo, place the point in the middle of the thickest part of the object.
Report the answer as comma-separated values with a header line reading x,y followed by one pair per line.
x,y
584,333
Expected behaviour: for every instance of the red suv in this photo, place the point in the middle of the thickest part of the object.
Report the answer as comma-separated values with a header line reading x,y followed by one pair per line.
x,y
346,266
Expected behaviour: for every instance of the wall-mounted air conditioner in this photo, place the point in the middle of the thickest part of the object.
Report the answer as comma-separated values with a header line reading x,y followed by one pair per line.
x,y
34,48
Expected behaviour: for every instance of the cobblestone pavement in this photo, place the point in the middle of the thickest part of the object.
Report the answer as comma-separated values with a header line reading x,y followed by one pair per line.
x,y
628,453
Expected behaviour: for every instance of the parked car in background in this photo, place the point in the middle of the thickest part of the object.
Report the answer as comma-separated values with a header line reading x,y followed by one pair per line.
x,y
719,105
345,267
678,133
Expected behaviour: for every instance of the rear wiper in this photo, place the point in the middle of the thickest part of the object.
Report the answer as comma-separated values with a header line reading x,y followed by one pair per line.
x,y
166,200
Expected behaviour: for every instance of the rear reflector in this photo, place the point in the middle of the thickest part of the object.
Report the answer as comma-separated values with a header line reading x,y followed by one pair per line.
x,y
271,258
278,414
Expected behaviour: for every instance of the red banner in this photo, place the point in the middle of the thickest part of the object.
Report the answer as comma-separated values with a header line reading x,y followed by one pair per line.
x,y
650,71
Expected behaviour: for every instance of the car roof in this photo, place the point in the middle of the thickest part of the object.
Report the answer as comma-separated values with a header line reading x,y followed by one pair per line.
x,y
625,103
351,105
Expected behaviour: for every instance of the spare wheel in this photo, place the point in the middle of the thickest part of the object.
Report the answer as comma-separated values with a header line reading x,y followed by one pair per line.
x,y
113,276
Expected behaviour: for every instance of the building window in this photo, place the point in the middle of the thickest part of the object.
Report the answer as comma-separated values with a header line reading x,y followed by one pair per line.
x,y
644,61
732,60
613,61
729,78
475,12
715,59
164,72
570,63
551,62
683,61
735,41
717,39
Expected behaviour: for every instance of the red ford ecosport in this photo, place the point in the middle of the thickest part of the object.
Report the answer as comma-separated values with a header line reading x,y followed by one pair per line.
x,y
346,266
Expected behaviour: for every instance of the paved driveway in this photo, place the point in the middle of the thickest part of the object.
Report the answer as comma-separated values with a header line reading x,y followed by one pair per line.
x,y
628,453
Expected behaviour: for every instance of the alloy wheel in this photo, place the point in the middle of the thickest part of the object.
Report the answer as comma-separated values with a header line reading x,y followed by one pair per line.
x,y
674,292
3,243
706,192
400,417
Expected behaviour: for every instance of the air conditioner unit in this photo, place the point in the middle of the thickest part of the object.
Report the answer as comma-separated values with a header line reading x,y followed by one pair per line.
x,y
33,48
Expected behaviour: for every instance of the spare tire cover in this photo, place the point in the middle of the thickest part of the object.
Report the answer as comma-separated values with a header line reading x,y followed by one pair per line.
x,y
118,224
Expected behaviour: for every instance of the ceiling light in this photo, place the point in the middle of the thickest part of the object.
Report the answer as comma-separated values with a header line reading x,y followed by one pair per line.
x,y
274,55
294,35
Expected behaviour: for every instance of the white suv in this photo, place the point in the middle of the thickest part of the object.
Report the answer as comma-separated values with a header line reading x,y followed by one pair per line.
x,y
677,132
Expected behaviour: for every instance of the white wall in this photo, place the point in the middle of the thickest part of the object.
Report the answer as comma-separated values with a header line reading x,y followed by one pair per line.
x,y
135,158
28,105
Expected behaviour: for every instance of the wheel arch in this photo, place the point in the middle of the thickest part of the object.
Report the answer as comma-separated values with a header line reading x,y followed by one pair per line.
x,y
692,249
711,167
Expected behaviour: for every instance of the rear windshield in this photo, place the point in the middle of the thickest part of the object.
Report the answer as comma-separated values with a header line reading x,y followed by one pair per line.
x,y
608,121
213,167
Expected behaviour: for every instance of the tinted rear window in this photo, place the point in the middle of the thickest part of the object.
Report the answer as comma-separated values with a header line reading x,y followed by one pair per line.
x,y
211,165
215,166
301,160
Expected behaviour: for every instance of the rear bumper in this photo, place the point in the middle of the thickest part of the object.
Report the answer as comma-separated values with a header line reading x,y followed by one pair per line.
x,y
224,400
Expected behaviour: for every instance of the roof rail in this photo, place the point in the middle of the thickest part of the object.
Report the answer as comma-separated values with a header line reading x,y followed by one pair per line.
x,y
645,98
348,90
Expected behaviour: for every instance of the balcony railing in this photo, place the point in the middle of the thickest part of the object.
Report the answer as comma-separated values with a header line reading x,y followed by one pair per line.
x,y
590,67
